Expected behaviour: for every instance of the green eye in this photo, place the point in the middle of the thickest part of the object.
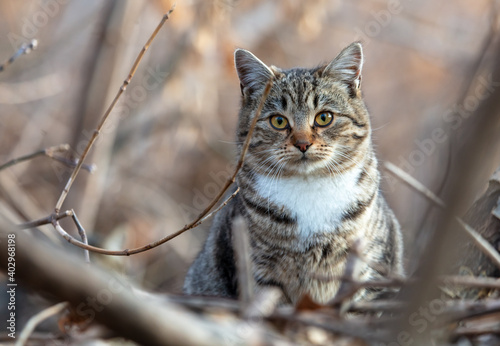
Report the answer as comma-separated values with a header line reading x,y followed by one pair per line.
x,y
279,122
323,119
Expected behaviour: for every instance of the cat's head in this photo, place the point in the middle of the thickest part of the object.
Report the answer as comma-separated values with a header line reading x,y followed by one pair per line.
x,y
313,121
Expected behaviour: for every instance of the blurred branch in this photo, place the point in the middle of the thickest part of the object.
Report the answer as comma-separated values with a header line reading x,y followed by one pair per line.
x,y
486,247
480,131
204,214
37,319
123,87
48,269
482,216
54,218
49,219
49,152
25,48
241,244
128,252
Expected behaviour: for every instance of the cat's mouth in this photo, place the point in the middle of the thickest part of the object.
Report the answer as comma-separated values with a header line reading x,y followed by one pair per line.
x,y
307,158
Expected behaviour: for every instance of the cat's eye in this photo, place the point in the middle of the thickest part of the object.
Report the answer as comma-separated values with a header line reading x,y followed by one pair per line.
x,y
279,122
323,119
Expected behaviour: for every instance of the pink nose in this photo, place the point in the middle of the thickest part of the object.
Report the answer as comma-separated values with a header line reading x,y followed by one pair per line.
x,y
302,145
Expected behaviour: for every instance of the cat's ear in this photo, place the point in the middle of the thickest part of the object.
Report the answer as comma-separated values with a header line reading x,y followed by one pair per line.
x,y
252,72
347,66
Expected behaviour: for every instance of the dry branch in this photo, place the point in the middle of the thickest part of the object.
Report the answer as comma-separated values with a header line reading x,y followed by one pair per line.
x,y
25,48
54,218
51,153
105,117
204,214
481,216
482,244
37,319
44,220
97,294
439,255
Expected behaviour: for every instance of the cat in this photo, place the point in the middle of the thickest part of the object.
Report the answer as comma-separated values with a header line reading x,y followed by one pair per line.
x,y
309,186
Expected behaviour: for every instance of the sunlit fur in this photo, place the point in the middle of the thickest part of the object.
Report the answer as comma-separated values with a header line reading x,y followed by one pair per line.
x,y
304,208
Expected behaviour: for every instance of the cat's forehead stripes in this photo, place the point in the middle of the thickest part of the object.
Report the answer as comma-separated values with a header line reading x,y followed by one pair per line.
x,y
302,92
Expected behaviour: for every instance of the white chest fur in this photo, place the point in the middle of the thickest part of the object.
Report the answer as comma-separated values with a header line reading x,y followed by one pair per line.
x,y
318,204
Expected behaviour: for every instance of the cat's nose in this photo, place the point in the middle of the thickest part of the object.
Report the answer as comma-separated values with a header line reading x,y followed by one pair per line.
x,y
302,145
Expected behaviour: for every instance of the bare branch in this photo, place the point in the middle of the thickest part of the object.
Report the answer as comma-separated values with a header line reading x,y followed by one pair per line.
x,y
44,220
24,49
127,252
83,235
204,214
486,247
49,152
37,319
144,321
123,87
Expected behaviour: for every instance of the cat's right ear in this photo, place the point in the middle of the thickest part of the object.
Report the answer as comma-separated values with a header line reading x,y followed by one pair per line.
x,y
252,72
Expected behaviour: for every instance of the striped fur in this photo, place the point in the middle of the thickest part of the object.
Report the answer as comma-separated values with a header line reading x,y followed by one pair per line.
x,y
307,192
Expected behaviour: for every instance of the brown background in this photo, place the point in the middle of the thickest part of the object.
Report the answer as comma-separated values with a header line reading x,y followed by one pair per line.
x,y
169,144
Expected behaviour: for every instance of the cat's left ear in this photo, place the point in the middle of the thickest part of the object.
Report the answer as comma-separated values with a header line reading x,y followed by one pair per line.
x,y
347,66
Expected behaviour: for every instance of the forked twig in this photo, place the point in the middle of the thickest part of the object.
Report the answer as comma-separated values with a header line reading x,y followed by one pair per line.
x,y
25,48
82,233
37,319
54,217
485,247
204,214
123,87
51,153
128,252
49,219
44,220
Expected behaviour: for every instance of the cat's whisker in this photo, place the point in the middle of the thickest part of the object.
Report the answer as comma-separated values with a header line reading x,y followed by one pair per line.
x,y
357,163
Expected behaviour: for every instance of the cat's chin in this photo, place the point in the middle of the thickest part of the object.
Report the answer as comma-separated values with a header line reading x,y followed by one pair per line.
x,y
306,165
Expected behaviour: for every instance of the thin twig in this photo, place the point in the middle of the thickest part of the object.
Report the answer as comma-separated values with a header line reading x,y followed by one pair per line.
x,y
44,220
49,152
471,281
485,247
216,210
204,214
128,252
377,305
73,162
414,184
454,280
357,330
481,243
476,330
37,319
25,48
464,309
123,87
83,235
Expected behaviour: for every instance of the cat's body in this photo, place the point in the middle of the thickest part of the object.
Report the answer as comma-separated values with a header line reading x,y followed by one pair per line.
x,y
309,187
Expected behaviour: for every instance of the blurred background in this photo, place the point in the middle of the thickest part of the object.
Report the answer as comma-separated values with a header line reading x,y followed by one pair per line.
x,y
168,146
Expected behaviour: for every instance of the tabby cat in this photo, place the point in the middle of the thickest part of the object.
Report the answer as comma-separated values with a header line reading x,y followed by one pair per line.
x,y
309,187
